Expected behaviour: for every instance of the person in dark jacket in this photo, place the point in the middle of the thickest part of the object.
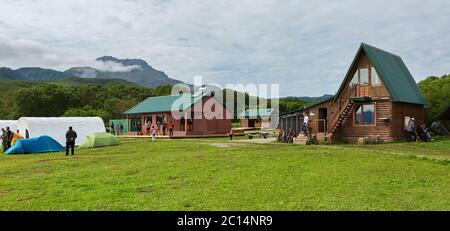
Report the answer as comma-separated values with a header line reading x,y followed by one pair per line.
x,y
411,130
71,136
9,137
4,140
164,127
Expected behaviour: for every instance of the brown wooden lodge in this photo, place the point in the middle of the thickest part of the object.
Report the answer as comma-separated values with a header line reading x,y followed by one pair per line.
x,y
376,99
158,110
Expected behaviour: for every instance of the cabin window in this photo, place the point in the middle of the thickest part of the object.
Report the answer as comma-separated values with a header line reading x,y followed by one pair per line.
x,y
364,76
374,78
355,78
365,114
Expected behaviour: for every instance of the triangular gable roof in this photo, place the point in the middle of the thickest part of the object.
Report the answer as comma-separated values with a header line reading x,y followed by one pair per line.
x,y
393,73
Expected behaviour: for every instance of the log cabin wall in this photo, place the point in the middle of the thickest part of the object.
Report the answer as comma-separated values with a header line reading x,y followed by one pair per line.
x,y
350,132
402,110
314,119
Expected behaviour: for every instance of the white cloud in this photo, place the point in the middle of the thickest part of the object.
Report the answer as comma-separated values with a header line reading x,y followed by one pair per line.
x,y
306,46
114,67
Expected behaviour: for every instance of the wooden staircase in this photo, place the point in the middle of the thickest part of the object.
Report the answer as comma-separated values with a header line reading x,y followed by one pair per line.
x,y
301,139
343,116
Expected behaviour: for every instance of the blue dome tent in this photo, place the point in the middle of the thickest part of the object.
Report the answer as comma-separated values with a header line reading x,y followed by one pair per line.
x,y
39,144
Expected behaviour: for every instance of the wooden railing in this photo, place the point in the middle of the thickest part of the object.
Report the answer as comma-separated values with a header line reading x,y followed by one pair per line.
x,y
338,105
372,91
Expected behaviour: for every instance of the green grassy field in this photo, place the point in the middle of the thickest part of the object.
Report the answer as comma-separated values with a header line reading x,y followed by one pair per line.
x,y
217,174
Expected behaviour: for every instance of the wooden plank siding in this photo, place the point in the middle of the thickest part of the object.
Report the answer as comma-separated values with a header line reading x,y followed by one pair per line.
x,y
402,110
350,132
314,119
340,121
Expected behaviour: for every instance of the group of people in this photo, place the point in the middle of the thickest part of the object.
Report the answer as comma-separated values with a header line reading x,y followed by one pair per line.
x,y
116,129
306,128
286,137
9,138
150,130
159,128
417,133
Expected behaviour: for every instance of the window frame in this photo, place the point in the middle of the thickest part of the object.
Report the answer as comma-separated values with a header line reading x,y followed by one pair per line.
x,y
374,115
358,75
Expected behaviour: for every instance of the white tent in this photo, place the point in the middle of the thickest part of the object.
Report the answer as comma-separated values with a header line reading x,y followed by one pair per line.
x,y
12,124
56,127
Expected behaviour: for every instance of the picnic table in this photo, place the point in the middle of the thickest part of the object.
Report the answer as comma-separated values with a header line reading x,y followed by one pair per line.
x,y
258,134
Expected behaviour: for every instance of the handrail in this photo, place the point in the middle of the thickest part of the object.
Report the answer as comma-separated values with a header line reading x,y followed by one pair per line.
x,y
338,106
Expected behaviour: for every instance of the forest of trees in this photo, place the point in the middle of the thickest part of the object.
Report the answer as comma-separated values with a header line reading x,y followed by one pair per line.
x,y
437,92
111,100
108,101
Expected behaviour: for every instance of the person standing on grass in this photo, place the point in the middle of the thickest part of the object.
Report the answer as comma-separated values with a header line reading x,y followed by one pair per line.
x,y
71,136
4,140
113,129
153,131
411,130
148,126
119,129
309,133
305,123
139,128
230,134
9,137
171,126
164,127
158,126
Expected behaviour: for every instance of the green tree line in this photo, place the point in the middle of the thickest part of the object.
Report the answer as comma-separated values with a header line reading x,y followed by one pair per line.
x,y
51,100
437,92
111,100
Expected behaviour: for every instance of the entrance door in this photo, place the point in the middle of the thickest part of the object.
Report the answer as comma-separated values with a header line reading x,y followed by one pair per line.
x,y
251,123
323,114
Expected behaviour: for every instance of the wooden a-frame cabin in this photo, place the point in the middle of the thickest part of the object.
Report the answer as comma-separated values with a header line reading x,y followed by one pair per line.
x,y
376,98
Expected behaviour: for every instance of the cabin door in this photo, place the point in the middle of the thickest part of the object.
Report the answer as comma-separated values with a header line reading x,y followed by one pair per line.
x,y
251,123
323,115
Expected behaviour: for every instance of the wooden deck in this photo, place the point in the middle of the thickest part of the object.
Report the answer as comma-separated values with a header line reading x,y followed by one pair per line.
x,y
133,136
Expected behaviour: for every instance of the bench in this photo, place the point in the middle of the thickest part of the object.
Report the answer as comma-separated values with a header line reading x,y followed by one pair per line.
x,y
257,134
370,140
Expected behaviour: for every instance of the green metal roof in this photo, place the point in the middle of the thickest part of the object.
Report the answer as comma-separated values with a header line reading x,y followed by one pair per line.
x,y
256,112
159,104
317,103
393,73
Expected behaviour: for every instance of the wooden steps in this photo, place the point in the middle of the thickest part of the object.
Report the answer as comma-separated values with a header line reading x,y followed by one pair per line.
x,y
343,117
301,139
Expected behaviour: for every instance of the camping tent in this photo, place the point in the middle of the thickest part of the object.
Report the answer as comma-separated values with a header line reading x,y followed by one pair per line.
x,y
56,127
39,144
99,140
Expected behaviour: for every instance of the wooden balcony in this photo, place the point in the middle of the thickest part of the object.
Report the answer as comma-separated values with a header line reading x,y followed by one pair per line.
x,y
358,91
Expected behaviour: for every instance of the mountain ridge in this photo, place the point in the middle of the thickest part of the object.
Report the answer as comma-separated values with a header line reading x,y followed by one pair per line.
x,y
136,71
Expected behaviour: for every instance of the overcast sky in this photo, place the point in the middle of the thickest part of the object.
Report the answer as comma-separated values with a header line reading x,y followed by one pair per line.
x,y
305,46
